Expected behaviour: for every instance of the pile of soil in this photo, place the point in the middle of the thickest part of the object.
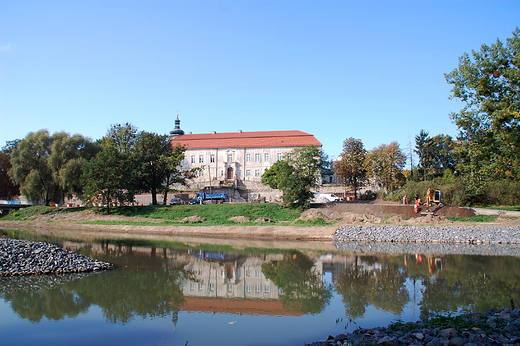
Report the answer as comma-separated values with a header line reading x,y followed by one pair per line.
x,y
382,210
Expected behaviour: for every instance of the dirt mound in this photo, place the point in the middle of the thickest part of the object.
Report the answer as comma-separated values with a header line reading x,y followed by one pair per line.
x,y
239,219
264,219
194,218
404,211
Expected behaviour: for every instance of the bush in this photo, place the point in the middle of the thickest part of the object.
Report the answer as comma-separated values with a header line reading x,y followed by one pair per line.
x,y
454,193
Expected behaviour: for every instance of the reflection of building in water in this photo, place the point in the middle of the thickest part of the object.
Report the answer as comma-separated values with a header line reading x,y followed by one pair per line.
x,y
221,278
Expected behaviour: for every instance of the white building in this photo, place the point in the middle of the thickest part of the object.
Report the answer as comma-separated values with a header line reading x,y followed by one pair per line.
x,y
236,158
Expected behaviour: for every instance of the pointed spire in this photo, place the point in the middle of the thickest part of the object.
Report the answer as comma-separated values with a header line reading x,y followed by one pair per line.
x,y
176,132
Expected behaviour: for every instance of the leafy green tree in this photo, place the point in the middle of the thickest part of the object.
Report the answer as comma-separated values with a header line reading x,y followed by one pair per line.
x,y
421,141
276,175
108,177
384,165
488,82
7,188
350,169
153,159
436,154
48,168
295,175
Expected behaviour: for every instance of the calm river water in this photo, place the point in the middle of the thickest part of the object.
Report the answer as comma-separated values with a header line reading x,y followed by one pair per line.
x,y
168,293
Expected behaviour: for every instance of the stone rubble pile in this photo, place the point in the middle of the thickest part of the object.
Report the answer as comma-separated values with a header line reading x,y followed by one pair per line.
x,y
434,234
494,328
18,257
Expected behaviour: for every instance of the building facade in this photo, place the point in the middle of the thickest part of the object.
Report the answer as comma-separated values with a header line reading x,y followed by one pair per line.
x,y
238,158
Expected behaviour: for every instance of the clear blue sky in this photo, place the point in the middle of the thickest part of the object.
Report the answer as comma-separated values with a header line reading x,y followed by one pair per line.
x,y
372,70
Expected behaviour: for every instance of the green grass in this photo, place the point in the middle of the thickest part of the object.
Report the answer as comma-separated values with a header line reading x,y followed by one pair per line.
x,y
216,214
461,323
499,207
476,218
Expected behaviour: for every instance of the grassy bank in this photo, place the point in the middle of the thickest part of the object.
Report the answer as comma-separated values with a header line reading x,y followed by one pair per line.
x,y
215,214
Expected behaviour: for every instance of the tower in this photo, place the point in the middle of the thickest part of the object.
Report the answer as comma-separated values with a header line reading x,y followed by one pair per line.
x,y
176,132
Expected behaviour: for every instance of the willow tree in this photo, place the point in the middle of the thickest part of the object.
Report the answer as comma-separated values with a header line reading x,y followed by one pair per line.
x,y
49,167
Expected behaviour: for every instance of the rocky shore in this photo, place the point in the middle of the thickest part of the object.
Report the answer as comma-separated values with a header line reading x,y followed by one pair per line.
x,y
500,327
18,257
433,234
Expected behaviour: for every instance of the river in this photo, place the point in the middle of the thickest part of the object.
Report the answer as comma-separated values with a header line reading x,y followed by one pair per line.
x,y
178,293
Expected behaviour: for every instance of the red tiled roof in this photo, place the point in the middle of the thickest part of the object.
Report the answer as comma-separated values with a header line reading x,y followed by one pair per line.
x,y
259,139
237,306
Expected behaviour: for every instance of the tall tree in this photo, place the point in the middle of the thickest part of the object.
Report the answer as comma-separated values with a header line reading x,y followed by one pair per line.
x,y
107,178
384,165
47,167
295,175
436,154
350,169
489,131
421,141
152,162
7,188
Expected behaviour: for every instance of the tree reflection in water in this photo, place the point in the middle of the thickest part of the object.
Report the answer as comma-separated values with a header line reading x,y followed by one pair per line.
x,y
148,283
303,290
381,286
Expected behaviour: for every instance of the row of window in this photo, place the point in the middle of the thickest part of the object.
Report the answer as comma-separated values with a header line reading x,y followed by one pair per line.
x,y
257,173
267,288
230,158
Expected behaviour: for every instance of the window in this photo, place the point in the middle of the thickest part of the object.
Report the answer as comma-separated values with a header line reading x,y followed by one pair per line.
x,y
230,158
201,158
257,273
212,287
248,288
257,172
257,157
201,286
212,158
239,173
248,273
248,157
266,289
279,156
248,172
201,173
257,288
266,157
230,288
192,286
192,158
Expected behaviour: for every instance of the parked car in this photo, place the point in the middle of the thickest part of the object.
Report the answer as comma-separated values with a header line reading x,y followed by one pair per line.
x,y
324,198
195,201
175,201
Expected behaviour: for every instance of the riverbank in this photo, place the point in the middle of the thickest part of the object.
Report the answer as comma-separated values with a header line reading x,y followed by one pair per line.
x,y
501,327
369,221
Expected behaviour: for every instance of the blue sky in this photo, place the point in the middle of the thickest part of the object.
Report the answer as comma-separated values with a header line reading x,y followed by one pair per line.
x,y
372,70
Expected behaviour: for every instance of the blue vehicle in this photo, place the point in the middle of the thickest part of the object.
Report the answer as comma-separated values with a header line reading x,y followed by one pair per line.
x,y
204,196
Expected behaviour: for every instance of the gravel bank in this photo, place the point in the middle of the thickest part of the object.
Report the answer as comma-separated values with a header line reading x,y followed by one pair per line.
x,y
493,328
429,248
18,257
433,234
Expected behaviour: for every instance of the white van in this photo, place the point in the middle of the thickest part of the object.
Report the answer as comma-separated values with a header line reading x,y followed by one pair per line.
x,y
324,198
